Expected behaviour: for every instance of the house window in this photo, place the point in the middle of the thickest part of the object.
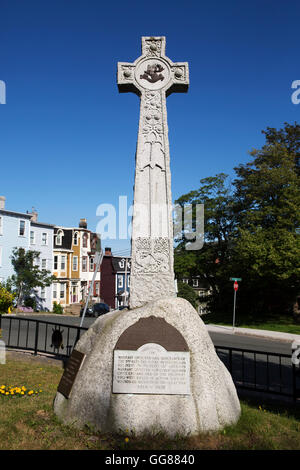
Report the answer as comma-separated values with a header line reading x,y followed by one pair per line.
x,y
75,263
1,225
62,291
44,238
120,281
54,291
75,239
84,240
91,263
63,263
22,228
44,264
32,237
121,263
55,263
84,264
186,281
43,293
59,236
195,282
97,290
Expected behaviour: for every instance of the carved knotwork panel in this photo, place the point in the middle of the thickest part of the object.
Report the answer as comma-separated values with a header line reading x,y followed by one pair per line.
x,y
151,255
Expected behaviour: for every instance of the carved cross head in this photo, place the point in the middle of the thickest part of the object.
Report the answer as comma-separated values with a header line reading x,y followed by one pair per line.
x,y
153,70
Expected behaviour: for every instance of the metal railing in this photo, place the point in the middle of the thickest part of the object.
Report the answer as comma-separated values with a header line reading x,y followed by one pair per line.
x,y
40,336
258,371
262,371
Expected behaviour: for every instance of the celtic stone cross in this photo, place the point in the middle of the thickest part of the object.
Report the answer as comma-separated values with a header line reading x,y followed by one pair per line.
x,y
153,77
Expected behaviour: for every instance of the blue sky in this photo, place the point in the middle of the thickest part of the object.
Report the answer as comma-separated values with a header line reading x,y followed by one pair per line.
x,y
68,138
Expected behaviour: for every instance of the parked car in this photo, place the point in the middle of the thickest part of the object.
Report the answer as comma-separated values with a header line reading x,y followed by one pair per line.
x,y
96,310
122,307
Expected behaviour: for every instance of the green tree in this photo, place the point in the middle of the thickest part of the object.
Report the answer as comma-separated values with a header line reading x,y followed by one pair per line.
x,y
211,263
28,275
251,230
187,292
267,249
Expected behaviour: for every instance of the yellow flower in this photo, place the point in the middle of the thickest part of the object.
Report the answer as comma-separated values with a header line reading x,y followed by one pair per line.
x,y
126,439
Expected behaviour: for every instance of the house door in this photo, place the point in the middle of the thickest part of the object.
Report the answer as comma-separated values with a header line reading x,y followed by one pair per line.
x,y
74,295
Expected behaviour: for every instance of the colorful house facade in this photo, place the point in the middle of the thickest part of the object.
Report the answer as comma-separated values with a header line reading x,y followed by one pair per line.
x,y
41,240
74,252
22,230
115,279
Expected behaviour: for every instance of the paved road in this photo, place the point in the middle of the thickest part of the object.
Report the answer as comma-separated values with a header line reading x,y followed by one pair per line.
x,y
250,342
221,338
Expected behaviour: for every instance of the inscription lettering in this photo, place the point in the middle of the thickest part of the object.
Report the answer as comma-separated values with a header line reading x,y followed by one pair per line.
x,y
151,369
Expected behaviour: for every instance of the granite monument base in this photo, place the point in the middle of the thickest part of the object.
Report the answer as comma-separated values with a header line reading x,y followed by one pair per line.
x,y
149,369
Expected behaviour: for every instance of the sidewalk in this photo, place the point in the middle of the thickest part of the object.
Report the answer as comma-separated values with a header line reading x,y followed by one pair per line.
x,y
275,335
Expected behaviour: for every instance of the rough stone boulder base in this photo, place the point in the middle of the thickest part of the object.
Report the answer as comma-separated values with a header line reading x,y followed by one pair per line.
x,y
212,404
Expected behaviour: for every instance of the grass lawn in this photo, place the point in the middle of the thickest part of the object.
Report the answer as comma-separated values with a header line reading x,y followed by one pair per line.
x,y
28,422
283,323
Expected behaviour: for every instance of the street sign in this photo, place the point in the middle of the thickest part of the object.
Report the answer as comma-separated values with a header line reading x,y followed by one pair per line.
x,y
235,286
235,279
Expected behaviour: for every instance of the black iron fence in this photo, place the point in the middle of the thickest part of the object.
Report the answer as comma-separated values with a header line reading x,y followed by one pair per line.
x,y
262,371
258,371
40,336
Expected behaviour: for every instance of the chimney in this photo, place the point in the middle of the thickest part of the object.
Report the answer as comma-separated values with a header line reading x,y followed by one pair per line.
x,y
83,223
107,251
2,202
34,216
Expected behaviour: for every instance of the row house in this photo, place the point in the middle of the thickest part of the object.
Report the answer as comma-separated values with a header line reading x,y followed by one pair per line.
x,y
202,289
74,264
22,230
14,232
68,253
41,240
115,279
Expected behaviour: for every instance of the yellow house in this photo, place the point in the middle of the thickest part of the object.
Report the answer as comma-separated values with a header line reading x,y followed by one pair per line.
x,y
73,253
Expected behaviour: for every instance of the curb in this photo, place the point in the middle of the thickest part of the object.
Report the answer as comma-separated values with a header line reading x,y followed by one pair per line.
x,y
266,334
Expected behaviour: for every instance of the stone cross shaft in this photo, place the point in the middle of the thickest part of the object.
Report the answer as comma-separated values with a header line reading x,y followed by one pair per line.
x,y
153,77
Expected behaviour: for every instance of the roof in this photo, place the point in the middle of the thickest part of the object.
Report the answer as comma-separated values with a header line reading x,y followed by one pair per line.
x,y
117,260
4,211
66,239
42,224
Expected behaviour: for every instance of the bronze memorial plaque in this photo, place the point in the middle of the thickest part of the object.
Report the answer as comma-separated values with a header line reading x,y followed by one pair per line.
x,y
151,357
73,365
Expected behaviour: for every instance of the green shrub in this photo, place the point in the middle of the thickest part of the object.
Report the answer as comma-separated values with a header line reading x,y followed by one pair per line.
x,y
30,302
57,308
187,292
6,299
